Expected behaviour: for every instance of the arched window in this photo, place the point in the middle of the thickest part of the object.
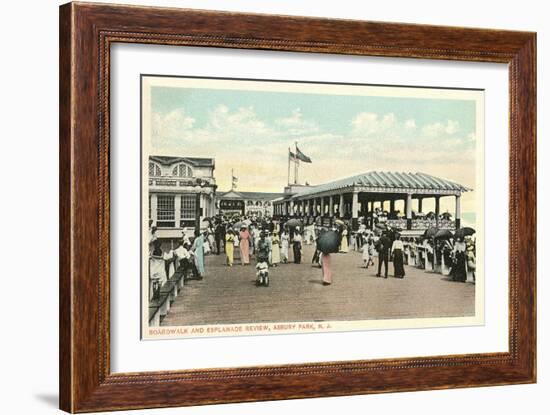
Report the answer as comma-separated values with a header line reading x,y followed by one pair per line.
x,y
182,170
154,170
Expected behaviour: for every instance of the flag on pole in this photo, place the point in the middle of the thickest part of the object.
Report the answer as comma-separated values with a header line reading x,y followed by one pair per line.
x,y
234,180
301,156
291,155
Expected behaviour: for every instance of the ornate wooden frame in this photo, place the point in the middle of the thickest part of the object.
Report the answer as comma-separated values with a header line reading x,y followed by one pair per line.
x,y
86,33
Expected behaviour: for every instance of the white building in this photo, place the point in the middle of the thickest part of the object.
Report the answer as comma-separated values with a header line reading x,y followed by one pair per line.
x,y
253,204
182,193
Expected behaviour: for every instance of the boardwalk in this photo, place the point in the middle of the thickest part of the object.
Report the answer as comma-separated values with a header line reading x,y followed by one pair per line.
x,y
229,295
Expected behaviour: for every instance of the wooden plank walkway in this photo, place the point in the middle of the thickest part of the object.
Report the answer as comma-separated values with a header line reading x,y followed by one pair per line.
x,y
228,295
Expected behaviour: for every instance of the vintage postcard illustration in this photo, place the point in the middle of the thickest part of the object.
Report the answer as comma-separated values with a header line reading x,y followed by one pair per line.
x,y
272,207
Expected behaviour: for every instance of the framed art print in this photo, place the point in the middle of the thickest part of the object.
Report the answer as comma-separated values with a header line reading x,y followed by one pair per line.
x,y
326,201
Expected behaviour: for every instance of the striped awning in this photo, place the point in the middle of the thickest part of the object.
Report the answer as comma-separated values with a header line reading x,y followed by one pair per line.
x,y
393,181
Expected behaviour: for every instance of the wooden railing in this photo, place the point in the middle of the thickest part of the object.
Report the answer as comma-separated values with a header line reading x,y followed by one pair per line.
x,y
165,283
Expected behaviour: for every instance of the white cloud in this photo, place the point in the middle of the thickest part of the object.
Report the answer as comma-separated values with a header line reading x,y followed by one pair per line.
x,y
410,124
171,125
370,123
242,121
441,129
296,125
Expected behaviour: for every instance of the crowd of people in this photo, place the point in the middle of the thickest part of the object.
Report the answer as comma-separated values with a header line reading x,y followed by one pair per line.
x,y
273,243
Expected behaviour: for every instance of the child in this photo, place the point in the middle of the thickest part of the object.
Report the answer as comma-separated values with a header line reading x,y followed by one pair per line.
x,y
262,273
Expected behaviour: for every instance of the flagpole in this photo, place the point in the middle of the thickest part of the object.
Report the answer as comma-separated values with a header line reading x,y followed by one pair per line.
x,y
288,181
296,163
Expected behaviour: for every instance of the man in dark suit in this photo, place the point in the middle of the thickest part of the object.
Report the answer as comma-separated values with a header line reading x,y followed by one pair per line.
x,y
219,234
384,247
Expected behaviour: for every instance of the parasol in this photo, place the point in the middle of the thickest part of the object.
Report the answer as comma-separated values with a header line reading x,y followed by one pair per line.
x,y
430,232
293,223
462,232
443,234
328,242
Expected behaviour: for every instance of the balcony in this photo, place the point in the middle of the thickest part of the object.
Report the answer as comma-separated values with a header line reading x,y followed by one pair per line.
x,y
170,181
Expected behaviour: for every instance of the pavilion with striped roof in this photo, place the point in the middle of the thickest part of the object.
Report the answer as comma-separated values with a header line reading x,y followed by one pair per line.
x,y
355,196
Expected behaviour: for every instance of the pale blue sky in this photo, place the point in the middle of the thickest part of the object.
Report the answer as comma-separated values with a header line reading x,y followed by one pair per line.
x,y
333,113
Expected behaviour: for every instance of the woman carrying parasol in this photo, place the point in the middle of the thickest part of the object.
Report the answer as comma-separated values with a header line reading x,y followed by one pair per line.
x,y
328,242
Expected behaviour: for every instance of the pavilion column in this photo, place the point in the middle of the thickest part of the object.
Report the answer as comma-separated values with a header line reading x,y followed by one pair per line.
x,y
323,207
213,205
341,206
392,206
437,211
314,207
457,211
355,210
371,214
419,205
408,208
331,206
291,208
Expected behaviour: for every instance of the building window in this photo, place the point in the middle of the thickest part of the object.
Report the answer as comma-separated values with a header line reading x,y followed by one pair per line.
x,y
165,211
182,170
188,207
154,170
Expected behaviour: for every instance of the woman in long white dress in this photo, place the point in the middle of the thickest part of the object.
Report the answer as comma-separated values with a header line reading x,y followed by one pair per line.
x,y
285,242
344,244
275,249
